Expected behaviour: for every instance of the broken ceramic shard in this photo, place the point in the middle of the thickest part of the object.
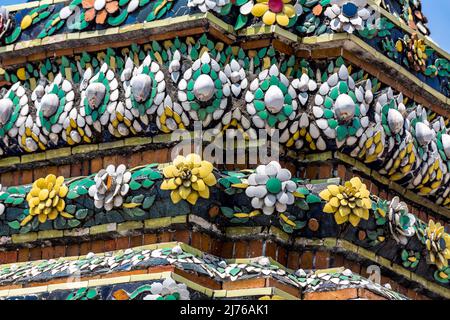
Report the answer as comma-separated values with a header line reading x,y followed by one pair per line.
x,y
204,88
344,108
274,99
49,104
6,109
95,93
395,121
141,86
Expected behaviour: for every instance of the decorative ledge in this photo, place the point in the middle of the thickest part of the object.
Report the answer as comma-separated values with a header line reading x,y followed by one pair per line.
x,y
120,200
207,274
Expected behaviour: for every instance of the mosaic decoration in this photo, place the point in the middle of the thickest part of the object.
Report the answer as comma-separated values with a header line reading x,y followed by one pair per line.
x,y
348,16
303,17
111,185
410,12
189,178
206,265
348,203
165,290
438,242
267,196
315,106
204,89
46,199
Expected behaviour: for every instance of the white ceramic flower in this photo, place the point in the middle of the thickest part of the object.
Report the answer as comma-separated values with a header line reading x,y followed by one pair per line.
x,y
167,287
238,79
208,5
347,15
401,223
270,188
111,185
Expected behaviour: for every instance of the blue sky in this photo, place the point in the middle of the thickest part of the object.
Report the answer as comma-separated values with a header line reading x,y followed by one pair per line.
x,y
437,11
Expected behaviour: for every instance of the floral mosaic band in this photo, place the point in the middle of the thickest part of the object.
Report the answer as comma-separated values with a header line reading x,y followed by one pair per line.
x,y
226,275
166,86
267,196
395,34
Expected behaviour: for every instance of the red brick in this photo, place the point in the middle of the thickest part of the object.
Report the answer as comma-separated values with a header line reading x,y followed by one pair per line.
x,y
85,168
196,240
97,246
306,260
227,249
322,260
198,279
7,179
255,248
51,170
23,255
26,177
75,169
282,256
107,160
240,249
16,178
165,237
216,247
73,250
338,261
369,295
205,242
2,257
85,248
150,238
122,243
64,170
271,250
96,164
35,253
110,245
136,241
47,253
134,160
244,284
182,236
345,294
270,282
325,171
293,260
311,172
11,256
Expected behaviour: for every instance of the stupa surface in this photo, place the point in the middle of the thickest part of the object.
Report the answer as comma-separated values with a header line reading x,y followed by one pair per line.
x,y
96,96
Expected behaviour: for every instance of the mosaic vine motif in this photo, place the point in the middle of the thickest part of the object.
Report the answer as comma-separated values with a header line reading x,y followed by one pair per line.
x,y
305,17
268,195
315,105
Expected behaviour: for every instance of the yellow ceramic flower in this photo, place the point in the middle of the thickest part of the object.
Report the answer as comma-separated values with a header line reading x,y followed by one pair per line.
x,y
188,178
272,11
274,297
46,199
438,244
350,202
